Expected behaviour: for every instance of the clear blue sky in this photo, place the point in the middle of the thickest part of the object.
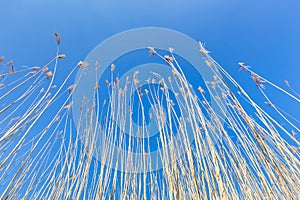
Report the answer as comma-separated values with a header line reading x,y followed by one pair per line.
x,y
263,34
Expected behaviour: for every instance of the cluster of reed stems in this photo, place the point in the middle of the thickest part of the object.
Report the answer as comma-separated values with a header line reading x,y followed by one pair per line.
x,y
234,154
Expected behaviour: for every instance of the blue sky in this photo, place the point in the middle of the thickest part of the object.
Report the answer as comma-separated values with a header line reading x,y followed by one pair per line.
x,y
263,34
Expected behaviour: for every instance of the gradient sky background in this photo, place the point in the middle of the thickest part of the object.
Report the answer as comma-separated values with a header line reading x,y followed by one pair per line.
x,y
263,34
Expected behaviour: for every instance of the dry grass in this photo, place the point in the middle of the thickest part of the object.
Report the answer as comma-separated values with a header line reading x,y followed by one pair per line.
x,y
247,157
